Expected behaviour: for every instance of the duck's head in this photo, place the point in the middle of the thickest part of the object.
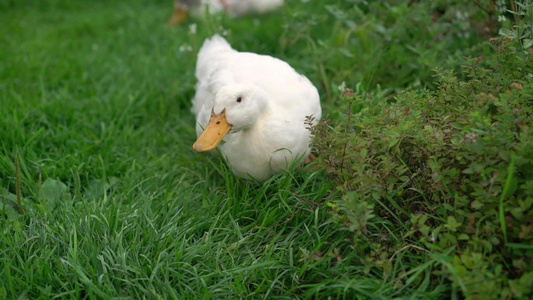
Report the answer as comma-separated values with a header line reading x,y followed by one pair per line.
x,y
237,107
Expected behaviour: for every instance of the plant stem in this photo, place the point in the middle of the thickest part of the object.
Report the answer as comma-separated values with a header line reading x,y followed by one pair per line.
x,y
18,191
513,8
502,197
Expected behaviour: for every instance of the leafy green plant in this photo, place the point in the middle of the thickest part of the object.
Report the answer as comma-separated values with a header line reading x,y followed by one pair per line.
x,y
393,45
521,31
443,177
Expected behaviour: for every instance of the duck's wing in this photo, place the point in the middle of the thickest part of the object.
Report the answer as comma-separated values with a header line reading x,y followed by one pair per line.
x,y
288,90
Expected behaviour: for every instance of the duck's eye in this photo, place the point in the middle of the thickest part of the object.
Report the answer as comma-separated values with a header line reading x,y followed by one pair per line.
x,y
239,99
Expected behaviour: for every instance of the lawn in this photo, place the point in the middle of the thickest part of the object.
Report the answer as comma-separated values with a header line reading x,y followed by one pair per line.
x,y
95,110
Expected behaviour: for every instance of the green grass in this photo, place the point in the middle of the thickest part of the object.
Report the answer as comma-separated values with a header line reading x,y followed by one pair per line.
x,y
95,104
98,99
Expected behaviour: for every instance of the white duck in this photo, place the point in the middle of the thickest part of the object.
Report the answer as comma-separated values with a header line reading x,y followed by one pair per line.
x,y
234,8
257,104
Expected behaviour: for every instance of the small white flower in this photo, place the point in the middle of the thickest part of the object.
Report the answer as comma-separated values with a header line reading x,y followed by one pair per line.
x,y
342,87
223,31
461,15
501,18
500,6
192,28
184,48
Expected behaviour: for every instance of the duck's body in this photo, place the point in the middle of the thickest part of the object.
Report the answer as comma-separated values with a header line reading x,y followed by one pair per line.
x,y
267,124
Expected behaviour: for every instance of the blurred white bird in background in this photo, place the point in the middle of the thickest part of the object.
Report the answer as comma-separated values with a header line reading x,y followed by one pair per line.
x,y
234,8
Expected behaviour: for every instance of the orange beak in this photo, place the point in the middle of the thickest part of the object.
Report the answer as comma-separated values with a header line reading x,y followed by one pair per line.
x,y
215,131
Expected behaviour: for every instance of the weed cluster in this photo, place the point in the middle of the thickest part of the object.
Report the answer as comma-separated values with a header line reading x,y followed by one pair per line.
x,y
443,178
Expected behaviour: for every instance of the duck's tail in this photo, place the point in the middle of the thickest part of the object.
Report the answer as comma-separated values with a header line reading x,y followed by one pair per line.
x,y
207,55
